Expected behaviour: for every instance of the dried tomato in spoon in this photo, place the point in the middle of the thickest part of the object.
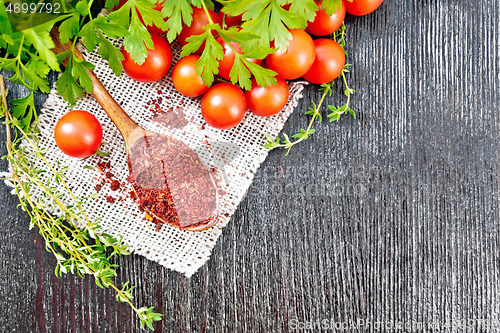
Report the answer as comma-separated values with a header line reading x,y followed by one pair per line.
x,y
171,182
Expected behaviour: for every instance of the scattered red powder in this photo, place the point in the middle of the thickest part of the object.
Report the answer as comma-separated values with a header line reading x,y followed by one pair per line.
x,y
115,185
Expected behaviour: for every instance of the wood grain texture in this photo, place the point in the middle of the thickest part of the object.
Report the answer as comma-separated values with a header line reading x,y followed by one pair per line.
x,y
390,217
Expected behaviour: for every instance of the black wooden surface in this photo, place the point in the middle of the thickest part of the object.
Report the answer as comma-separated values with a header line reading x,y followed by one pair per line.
x,y
390,217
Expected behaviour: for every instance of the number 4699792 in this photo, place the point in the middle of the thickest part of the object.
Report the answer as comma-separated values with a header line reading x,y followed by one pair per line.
x,y
40,7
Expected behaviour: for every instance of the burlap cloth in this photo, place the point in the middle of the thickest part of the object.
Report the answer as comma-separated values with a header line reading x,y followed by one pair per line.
x,y
182,251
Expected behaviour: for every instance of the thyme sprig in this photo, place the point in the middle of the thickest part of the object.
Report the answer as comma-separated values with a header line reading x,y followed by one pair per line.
x,y
314,111
79,245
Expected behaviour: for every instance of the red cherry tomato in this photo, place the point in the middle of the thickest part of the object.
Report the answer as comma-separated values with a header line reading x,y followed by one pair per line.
x,y
223,106
78,134
297,59
267,101
156,65
329,62
196,28
231,21
154,29
185,78
362,7
226,64
323,24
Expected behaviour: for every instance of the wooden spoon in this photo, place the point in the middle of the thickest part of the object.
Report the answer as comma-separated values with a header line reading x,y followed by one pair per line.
x,y
130,131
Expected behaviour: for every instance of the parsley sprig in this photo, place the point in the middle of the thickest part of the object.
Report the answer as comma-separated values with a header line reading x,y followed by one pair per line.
x,y
243,69
314,111
77,251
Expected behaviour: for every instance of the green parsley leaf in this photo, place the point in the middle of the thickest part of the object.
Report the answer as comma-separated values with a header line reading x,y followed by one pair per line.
x,y
34,72
39,37
110,29
208,64
109,52
69,28
111,3
67,86
80,74
263,76
88,33
331,6
138,41
177,12
24,110
305,10
266,19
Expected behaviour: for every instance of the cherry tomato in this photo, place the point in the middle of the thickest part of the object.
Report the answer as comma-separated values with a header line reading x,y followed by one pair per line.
x,y
297,59
185,78
226,64
323,24
223,106
267,101
231,21
156,65
362,7
196,28
329,62
78,134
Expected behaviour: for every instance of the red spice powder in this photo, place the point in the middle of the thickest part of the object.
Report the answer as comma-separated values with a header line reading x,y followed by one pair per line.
x,y
171,117
172,183
110,199
115,185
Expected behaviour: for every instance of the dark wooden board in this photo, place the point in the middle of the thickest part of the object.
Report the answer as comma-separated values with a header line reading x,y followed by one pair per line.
x,y
390,217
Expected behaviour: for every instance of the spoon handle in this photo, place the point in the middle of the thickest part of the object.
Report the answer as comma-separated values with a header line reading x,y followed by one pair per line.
x,y
115,112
